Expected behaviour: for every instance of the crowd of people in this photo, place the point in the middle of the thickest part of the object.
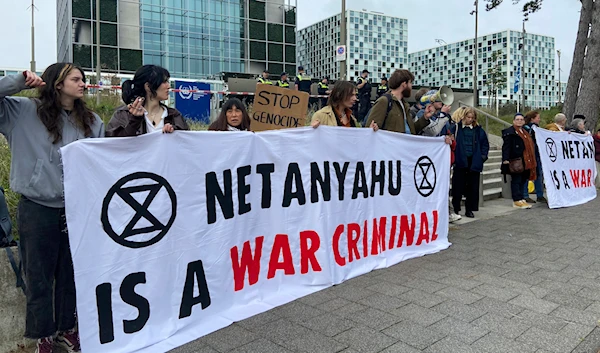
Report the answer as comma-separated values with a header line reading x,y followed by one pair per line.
x,y
36,128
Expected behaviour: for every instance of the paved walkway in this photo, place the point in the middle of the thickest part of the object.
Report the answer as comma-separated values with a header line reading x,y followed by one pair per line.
x,y
525,281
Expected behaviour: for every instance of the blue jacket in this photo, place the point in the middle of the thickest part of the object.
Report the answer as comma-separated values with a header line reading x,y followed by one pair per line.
x,y
481,148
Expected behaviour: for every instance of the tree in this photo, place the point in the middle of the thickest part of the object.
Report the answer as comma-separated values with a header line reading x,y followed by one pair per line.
x,y
578,58
586,60
496,78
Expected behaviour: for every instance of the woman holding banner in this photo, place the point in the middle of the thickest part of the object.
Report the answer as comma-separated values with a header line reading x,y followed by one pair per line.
x,y
36,129
338,111
144,111
518,159
597,157
233,117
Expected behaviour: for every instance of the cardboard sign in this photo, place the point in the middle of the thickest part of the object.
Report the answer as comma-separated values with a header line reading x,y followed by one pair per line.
x,y
278,108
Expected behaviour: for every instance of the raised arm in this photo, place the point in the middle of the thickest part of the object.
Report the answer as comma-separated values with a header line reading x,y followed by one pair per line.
x,y
10,107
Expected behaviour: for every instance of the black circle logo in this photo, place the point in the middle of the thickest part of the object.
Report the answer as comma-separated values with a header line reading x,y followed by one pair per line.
x,y
141,209
425,176
551,149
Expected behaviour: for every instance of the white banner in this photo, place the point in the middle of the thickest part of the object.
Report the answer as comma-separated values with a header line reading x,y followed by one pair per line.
x,y
569,167
174,236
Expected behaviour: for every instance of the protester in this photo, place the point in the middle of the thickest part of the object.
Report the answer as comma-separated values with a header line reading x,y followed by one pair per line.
x,y
283,81
414,110
472,148
324,91
398,119
597,148
233,117
560,120
383,87
364,95
144,111
578,126
36,129
338,111
264,79
533,119
518,159
439,118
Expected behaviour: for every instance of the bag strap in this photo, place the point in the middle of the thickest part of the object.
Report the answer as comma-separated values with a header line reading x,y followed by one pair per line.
x,y
6,228
389,107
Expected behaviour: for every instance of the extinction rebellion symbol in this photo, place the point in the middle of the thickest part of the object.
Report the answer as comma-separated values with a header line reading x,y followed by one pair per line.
x,y
152,227
425,176
551,149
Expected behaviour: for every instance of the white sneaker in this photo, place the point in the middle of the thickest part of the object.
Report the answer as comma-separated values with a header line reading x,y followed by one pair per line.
x,y
453,217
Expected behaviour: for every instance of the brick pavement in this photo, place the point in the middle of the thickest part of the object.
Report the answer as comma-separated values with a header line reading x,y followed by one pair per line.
x,y
524,282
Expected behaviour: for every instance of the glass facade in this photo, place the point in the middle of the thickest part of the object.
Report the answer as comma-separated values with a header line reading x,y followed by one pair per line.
x,y
375,42
452,65
191,38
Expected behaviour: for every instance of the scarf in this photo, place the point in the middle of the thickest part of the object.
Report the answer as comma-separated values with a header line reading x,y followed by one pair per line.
x,y
233,128
529,153
338,117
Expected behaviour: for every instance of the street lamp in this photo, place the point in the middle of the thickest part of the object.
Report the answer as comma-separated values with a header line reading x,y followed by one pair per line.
x,y
475,50
343,66
559,83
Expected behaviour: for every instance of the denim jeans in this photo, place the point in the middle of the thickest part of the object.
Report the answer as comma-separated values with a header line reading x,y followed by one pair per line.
x,y
539,186
48,269
517,183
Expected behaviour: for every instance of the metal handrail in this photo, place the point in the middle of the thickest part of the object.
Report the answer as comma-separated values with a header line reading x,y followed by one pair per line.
x,y
487,116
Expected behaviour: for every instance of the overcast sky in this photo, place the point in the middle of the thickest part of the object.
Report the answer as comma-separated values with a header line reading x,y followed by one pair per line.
x,y
427,20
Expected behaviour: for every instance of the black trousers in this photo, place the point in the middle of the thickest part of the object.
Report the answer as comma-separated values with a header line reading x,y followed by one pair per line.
x,y
465,182
48,269
517,184
365,105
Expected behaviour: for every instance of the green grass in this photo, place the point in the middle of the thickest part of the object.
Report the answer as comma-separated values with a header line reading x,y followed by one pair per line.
x,y
12,198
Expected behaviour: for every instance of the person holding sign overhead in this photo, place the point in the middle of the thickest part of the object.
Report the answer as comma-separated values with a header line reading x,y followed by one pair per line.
x,y
338,111
233,117
144,111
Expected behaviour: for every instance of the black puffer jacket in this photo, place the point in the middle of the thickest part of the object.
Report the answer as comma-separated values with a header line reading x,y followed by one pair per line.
x,y
512,148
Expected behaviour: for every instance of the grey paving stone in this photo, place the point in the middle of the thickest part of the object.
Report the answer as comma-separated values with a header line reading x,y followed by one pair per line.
x,y
400,347
319,297
351,293
510,328
578,316
570,301
490,260
328,324
459,295
459,282
580,272
193,347
349,309
560,287
389,289
554,276
466,313
515,266
589,343
394,277
460,330
523,278
413,334
364,339
461,272
548,341
297,311
591,294
502,294
594,308
382,302
362,282
547,323
585,282
548,265
261,345
334,304
495,343
230,337
426,285
535,304
450,345
259,320
428,274
418,314
373,318
421,298
299,338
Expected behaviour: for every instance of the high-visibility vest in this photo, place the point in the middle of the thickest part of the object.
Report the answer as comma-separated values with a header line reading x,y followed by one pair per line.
x,y
382,87
284,84
322,85
264,81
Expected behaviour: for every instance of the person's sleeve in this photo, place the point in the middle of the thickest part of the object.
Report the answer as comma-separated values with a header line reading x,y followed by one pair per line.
x,y
10,107
122,125
378,112
485,145
505,147
421,124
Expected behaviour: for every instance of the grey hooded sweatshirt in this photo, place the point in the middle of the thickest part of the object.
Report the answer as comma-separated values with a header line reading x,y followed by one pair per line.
x,y
36,167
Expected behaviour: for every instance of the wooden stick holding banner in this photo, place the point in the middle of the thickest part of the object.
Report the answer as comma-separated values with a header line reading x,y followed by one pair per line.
x,y
278,108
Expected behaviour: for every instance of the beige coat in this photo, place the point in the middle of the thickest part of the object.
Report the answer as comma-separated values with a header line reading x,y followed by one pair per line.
x,y
326,116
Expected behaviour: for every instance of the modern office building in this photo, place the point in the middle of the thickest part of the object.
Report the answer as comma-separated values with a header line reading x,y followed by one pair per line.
x,y
452,65
375,42
191,38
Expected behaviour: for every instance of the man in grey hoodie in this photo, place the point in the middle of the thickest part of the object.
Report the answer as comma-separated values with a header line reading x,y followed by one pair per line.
x,y
36,129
